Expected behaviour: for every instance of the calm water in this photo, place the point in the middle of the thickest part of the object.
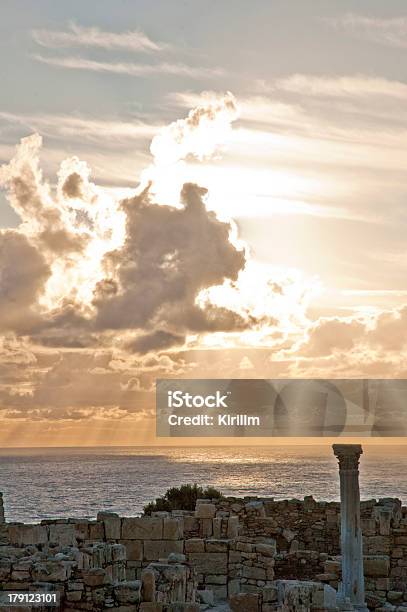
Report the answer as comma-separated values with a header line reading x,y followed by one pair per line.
x,y
46,483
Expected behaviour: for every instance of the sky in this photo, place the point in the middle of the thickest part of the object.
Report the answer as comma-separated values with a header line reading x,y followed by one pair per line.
x,y
194,190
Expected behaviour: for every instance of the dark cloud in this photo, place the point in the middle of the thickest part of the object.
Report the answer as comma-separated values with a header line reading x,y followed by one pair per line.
x,y
72,187
23,272
154,341
169,255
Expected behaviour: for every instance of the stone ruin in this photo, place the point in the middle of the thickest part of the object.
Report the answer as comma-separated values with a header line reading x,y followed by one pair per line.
x,y
243,555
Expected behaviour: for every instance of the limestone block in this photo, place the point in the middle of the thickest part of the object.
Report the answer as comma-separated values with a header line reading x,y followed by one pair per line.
x,y
205,511
217,528
95,577
233,527
216,545
128,592
245,602
253,573
96,531
112,523
209,563
194,545
160,549
81,530
134,549
142,528
51,571
206,527
148,585
62,534
191,524
305,595
118,552
267,550
377,566
173,529
26,535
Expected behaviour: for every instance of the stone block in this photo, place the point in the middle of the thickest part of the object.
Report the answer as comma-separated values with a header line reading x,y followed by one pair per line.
x,y
112,525
233,527
148,585
96,531
216,545
51,571
134,549
26,535
95,577
160,549
206,527
173,529
253,573
209,563
217,527
81,530
205,511
62,534
194,545
128,592
245,602
376,565
191,524
267,550
142,528
215,579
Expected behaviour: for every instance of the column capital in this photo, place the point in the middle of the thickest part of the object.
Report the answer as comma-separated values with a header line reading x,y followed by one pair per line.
x,y
348,455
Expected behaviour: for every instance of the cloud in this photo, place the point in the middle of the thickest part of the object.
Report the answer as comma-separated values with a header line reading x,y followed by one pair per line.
x,y
169,255
78,36
154,341
130,68
89,127
332,334
205,128
382,334
390,32
136,265
357,86
23,273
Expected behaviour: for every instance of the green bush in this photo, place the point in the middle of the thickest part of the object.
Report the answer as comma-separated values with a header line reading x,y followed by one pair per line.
x,y
181,498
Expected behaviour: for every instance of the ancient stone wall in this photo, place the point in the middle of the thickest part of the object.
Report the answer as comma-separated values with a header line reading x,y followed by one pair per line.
x,y
235,547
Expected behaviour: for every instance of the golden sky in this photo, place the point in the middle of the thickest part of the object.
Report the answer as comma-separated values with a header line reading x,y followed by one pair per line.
x,y
175,209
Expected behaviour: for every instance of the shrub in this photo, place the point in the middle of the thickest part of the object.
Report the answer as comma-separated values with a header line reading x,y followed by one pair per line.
x,y
181,498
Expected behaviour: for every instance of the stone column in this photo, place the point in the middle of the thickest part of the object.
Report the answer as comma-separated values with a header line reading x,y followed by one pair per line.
x,y
352,588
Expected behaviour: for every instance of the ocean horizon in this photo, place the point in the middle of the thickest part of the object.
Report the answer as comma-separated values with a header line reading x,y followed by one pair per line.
x,y
44,483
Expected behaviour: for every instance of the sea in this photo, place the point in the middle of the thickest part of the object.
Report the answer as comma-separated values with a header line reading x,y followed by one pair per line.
x,y
78,482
